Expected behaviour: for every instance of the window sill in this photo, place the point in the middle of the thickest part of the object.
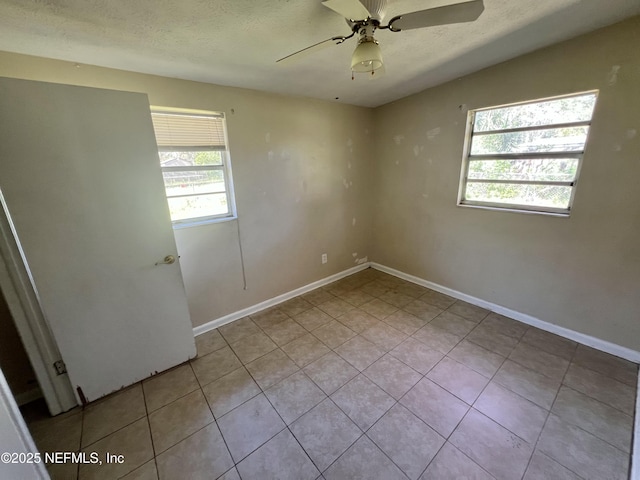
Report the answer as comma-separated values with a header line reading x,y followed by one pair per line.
x,y
515,210
200,223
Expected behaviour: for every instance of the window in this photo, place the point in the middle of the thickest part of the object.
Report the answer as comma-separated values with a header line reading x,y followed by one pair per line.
x,y
195,165
526,156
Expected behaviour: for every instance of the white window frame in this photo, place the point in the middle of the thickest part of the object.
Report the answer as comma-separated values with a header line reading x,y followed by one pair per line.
x,y
514,207
225,167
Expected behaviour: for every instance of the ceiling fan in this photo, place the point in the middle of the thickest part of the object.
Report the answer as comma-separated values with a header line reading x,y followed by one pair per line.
x,y
365,16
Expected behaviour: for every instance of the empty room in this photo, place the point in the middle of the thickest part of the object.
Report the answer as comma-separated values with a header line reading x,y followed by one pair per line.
x,y
341,239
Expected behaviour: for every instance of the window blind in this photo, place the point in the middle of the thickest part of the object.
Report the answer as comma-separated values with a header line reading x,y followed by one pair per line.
x,y
188,131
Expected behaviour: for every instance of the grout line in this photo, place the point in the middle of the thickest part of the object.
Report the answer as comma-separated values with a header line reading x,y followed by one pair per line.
x,y
153,445
544,425
396,402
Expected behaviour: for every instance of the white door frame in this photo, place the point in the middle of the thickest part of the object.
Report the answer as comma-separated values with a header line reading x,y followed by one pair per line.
x,y
22,298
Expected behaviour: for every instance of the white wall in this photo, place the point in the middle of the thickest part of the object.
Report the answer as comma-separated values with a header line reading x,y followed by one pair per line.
x,y
582,272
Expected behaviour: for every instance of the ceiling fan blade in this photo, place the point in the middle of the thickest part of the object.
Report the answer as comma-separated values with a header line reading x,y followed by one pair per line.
x,y
458,13
350,9
313,48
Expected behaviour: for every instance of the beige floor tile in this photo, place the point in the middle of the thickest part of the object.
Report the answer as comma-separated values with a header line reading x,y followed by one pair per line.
x,y
133,442
454,377
533,386
284,332
176,421
230,475
61,433
318,296
339,287
608,365
202,455
586,435
268,317
63,471
226,393
335,307
325,433
305,349
330,372
408,441
358,320
112,413
438,408
294,396
378,308
281,458
436,338
169,386
234,331
417,355
505,325
363,401
494,448
405,322
333,334
453,323
539,361
364,460
375,288
452,464
607,390
396,298
384,336
312,319
295,306
413,290
477,358
359,352
271,368
513,412
393,376
496,342
252,347
581,452
148,471
209,342
437,299
249,426
215,365
595,417
468,311
356,297
550,343
542,467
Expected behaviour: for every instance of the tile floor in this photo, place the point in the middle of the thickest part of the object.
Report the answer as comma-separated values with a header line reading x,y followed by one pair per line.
x,y
370,377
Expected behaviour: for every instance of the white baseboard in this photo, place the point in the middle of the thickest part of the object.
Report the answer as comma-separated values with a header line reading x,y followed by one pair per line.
x,y
28,396
635,455
597,343
218,322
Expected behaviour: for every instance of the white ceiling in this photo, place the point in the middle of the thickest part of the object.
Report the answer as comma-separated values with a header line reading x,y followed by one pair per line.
x,y
236,42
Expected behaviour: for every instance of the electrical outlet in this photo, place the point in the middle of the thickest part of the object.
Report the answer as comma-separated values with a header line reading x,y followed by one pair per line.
x,y
324,258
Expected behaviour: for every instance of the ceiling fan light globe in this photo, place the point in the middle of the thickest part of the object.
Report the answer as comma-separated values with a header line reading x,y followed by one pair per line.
x,y
367,57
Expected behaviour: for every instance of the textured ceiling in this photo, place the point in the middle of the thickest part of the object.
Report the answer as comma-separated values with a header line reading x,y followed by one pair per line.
x,y
236,42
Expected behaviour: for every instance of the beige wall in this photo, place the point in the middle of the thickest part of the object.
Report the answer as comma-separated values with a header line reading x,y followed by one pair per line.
x,y
581,272
305,169
301,168
13,358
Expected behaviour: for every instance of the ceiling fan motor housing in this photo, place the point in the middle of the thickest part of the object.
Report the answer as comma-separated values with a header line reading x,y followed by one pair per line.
x,y
377,8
